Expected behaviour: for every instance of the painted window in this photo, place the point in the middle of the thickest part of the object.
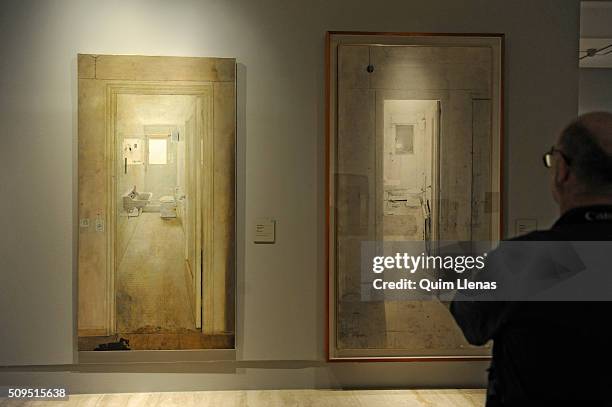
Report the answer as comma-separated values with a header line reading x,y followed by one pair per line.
x,y
404,139
158,151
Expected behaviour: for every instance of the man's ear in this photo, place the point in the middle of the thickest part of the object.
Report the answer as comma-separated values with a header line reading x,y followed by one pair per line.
x,y
562,172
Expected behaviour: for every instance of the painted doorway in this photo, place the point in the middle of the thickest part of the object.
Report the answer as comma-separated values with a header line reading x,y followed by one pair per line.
x,y
409,170
157,268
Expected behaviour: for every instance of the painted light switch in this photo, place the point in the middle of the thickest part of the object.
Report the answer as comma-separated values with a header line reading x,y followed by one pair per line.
x,y
99,224
265,230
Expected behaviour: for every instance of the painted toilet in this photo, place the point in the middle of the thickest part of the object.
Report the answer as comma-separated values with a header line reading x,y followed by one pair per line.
x,y
167,207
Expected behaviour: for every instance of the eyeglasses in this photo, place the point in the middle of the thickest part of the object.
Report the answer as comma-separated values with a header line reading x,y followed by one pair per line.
x,y
548,157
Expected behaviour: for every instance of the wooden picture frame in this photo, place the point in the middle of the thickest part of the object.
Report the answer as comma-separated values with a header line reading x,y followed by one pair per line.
x,y
334,39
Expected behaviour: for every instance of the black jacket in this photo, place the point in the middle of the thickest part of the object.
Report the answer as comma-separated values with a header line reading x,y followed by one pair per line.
x,y
548,353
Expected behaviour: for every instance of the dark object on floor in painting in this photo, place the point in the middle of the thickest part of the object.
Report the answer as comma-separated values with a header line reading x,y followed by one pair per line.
x,y
122,344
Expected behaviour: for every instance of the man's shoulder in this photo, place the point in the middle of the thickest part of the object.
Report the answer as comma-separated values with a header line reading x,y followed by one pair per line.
x,y
537,235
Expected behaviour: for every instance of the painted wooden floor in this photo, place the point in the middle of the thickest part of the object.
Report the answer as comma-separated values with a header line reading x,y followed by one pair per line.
x,y
275,398
154,294
152,291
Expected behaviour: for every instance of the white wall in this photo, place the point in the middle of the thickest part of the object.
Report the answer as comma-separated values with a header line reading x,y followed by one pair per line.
x,y
595,83
595,18
279,45
595,90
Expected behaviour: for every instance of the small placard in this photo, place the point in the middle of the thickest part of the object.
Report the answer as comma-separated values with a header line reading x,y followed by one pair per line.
x,y
265,230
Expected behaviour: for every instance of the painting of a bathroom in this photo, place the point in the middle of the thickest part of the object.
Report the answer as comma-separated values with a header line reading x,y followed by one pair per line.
x,y
156,203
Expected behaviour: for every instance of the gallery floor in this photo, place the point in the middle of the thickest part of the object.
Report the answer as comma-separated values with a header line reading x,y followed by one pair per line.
x,y
273,398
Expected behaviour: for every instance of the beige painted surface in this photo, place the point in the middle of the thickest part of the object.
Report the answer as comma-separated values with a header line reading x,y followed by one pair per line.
x,y
221,278
484,199
156,68
427,68
456,167
367,167
104,81
360,324
92,262
153,295
266,398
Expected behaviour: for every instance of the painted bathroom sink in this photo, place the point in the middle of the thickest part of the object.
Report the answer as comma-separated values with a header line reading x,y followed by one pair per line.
x,y
144,196
135,199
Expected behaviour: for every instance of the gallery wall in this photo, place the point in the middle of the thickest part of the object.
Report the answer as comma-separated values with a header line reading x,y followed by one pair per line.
x,y
595,83
279,46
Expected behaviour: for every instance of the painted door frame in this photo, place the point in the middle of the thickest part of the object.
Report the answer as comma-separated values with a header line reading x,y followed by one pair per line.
x,y
204,184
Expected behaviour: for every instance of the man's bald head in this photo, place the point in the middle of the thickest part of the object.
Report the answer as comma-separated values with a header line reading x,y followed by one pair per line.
x,y
587,142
